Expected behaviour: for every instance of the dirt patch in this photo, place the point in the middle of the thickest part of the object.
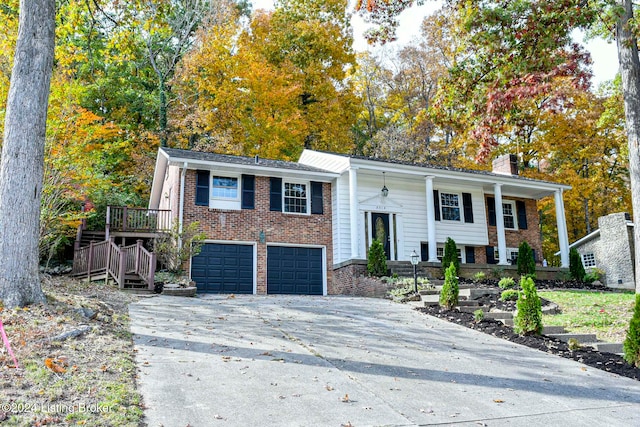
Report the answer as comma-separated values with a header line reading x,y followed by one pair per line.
x,y
606,361
75,357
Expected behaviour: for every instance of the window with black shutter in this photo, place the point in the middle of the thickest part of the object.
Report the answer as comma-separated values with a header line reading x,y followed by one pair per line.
x,y
275,195
316,198
491,207
248,191
491,258
468,207
202,188
436,204
522,214
470,254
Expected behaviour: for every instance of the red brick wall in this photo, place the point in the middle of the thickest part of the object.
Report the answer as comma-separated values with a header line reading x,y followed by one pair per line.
x,y
246,224
515,237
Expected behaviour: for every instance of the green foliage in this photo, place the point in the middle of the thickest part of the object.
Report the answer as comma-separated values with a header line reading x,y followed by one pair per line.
x,y
507,283
526,261
593,275
631,344
480,276
575,265
450,256
509,295
574,344
450,290
497,272
174,248
377,262
528,320
478,315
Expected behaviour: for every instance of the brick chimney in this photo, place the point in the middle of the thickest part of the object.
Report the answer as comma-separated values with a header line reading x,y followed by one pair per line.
x,y
507,164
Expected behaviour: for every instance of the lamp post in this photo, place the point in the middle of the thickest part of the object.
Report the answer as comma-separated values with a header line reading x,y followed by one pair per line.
x,y
414,261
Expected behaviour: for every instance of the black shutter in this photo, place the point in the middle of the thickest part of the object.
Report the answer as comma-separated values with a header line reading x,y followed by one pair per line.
x,y
316,198
534,255
491,206
202,188
491,259
248,191
522,214
424,251
275,195
468,207
436,204
470,254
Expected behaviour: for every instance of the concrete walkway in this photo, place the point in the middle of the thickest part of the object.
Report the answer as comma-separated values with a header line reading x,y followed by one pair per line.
x,y
332,361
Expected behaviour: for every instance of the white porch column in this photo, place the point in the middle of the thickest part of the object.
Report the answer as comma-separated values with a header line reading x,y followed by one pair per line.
x,y
502,241
353,213
431,221
563,236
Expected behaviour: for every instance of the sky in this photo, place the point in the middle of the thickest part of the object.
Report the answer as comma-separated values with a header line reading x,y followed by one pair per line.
x,y
604,55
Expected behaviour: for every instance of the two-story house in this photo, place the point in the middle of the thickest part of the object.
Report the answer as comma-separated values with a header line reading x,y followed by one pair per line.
x,y
305,227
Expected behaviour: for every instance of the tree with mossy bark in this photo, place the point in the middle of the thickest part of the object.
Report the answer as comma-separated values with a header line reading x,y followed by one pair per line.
x,y
450,290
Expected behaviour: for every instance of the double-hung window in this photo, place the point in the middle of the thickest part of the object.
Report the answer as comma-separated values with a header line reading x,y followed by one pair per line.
x,y
450,205
224,187
509,214
295,198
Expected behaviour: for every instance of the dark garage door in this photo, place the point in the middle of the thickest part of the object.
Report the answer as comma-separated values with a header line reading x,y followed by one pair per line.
x,y
223,268
292,270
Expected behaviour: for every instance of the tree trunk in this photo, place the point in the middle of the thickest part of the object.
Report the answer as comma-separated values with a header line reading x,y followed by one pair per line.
x,y
630,73
21,166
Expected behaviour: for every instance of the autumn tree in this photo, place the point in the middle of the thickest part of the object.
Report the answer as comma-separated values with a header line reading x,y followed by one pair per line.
x,y
274,88
21,167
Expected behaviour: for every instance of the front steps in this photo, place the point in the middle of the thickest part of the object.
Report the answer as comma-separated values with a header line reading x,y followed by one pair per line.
x,y
467,304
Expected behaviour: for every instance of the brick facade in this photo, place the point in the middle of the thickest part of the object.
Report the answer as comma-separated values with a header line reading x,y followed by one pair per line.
x,y
514,237
246,225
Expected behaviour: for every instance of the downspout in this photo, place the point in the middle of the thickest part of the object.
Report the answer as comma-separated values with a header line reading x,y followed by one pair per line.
x,y
181,208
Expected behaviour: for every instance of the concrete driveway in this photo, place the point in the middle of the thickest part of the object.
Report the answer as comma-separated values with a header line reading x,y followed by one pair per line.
x,y
333,361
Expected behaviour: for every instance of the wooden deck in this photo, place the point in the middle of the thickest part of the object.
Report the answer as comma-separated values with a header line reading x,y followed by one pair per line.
x,y
136,222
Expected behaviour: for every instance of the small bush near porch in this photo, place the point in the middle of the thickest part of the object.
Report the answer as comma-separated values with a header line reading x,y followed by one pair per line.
x,y
607,314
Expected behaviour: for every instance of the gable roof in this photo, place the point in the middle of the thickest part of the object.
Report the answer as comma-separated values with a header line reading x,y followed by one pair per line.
x,y
512,185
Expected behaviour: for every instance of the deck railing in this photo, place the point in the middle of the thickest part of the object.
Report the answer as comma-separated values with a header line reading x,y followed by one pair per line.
x,y
108,259
122,218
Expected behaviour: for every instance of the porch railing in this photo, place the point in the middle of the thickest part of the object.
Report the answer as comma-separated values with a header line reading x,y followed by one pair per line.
x,y
108,259
122,218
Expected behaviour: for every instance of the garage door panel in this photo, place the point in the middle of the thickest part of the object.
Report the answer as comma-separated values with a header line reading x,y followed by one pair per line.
x,y
224,268
294,270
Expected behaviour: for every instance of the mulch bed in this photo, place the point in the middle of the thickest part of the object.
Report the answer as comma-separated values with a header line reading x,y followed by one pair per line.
x,y
605,361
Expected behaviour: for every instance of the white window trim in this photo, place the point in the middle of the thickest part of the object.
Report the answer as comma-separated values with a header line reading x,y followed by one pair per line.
x,y
461,254
514,212
308,196
460,207
224,202
510,252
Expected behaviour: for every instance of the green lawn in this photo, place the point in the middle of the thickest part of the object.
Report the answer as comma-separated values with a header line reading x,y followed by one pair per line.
x,y
606,314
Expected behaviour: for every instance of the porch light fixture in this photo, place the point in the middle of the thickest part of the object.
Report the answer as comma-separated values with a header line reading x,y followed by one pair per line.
x,y
415,258
385,190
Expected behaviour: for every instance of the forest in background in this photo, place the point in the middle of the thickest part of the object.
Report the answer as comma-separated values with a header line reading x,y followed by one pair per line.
x,y
218,76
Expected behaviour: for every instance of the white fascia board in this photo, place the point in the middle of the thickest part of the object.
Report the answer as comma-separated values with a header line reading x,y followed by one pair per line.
x,y
478,178
158,178
257,170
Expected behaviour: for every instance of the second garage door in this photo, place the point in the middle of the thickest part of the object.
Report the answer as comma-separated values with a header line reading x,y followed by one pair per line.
x,y
223,268
294,270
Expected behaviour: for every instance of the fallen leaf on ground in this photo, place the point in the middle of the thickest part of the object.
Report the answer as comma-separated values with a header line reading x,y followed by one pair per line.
x,y
345,399
51,364
498,400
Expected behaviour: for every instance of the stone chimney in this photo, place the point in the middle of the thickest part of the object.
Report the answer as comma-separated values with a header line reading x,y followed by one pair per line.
x,y
507,164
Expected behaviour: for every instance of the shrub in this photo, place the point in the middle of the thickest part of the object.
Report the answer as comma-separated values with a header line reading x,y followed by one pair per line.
x,y
507,283
478,315
528,320
509,295
175,247
593,275
497,272
631,345
526,262
450,256
450,290
480,276
575,265
377,262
